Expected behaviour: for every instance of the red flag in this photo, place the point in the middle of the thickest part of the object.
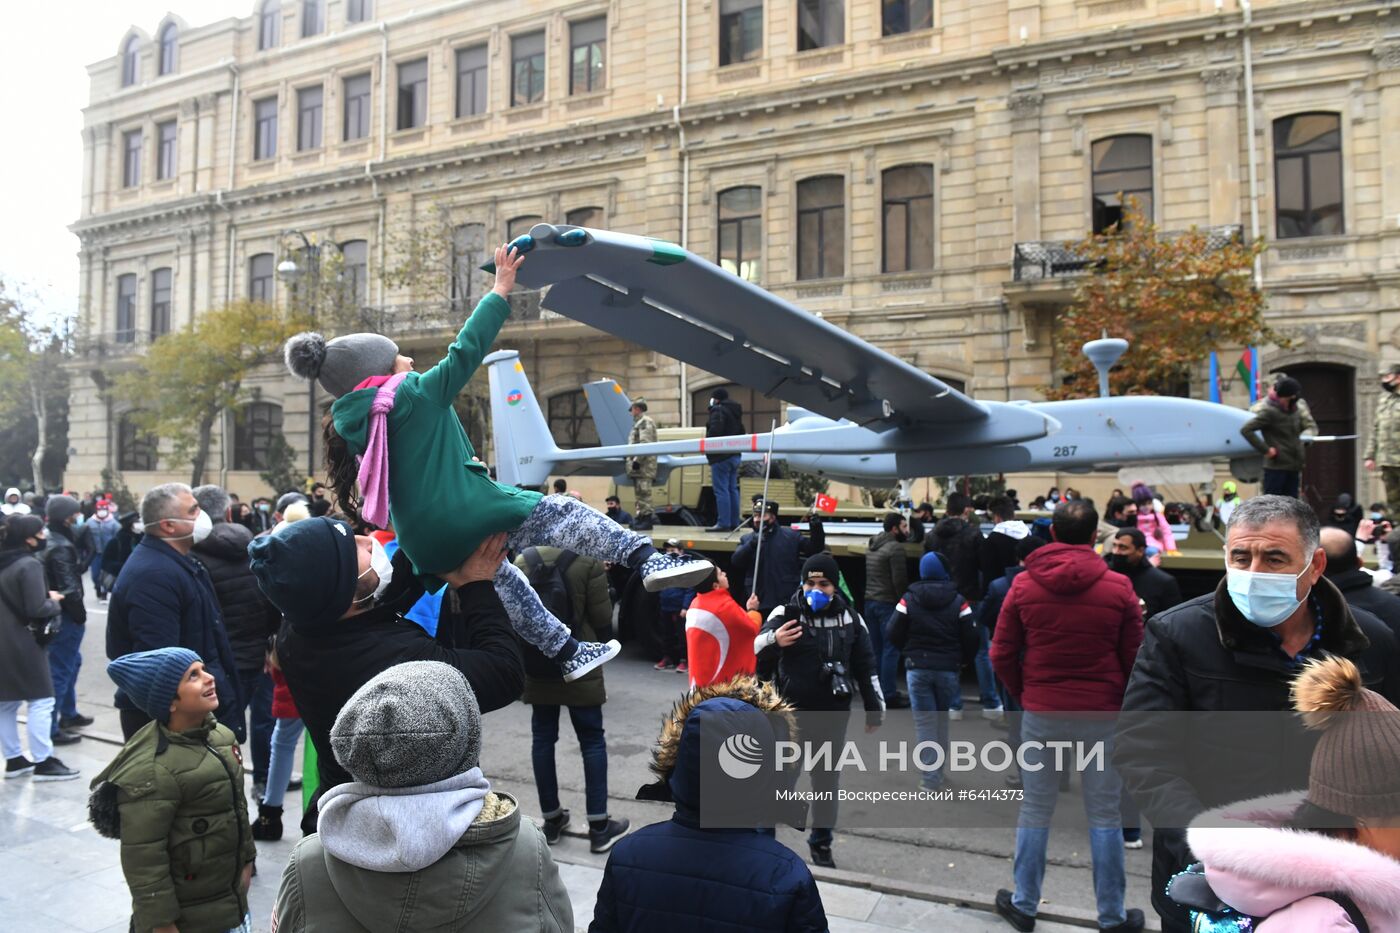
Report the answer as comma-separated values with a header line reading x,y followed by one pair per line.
x,y
825,503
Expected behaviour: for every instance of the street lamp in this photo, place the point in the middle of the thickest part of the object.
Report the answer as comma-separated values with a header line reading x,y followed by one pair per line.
x,y
290,273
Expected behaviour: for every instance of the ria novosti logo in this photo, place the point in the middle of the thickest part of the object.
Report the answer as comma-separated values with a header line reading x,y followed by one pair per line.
x,y
740,756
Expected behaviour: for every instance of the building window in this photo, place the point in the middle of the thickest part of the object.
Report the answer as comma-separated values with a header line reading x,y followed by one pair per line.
x,y
1122,168
165,150
255,427
265,128
413,94
131,61
585,217
136,449
820,23
570,422
354,272
261,269
908,218
269,25
309,118
358,11
313,18
588,41
527,68
471,81
167,50
741,231
160,302
131,158
759,412
821,227
1308,175
126,308
468,254
356,121
740,30
521,225
900,16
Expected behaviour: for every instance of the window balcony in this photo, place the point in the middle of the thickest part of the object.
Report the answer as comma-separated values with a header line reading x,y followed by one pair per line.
x,y
1048,259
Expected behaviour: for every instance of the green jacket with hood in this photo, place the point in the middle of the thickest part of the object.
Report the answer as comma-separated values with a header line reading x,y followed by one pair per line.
x,y
176,802
442,502
1282,430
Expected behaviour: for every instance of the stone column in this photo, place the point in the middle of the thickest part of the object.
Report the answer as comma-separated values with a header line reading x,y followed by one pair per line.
x,y
1388,85
186,146
203,144
182,308
1225,128
101,167
1025,166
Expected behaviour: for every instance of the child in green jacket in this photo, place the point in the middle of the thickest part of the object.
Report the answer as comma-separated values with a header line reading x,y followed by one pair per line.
x,y
394,434
174,797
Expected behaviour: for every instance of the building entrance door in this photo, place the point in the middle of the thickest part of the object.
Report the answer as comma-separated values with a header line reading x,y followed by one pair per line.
x,y
1330,390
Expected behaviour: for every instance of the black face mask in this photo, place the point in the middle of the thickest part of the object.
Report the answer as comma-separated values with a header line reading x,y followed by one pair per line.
x,y
1388,386
36,548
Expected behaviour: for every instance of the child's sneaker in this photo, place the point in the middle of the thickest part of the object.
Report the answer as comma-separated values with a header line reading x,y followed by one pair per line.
x,y
590,654
18,766
602,838
554,826
51,769
661,571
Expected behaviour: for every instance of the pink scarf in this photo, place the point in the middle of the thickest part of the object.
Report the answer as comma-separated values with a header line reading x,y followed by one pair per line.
x,y
374,463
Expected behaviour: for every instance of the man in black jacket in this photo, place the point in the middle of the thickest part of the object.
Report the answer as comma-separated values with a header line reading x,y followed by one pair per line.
x,y
64,564
820,649
344,601
1155,588
780,564
726,419
1357,586
1237,649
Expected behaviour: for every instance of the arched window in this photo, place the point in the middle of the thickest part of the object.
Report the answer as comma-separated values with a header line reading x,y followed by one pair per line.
x,y
570,422
468,254
160,302
167,49
136,449
269,25
1122,168
257,423
908,218
355,272
131,61
585,217
740,221
1308,175
821,227
517,226
759,412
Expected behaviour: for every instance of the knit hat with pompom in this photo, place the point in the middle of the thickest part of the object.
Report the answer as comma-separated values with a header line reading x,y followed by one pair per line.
x,y
340,364
1356,759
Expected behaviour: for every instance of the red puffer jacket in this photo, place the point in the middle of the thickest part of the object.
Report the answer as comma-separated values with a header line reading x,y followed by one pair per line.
x,y
1068,632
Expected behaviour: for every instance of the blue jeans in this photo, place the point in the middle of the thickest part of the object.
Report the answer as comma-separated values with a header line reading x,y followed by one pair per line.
x,y
588,726
255,692
285,736
65,660
724,479
988,690
877,616
931,695
1102,789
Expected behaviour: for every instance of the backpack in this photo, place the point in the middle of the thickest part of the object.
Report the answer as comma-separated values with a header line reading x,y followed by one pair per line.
x,y
549,582
1209,914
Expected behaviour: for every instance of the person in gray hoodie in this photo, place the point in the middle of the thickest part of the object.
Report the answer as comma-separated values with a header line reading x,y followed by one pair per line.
x,y
419,840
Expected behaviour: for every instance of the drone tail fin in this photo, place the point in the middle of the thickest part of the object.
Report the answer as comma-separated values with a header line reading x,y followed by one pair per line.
x,y
525,450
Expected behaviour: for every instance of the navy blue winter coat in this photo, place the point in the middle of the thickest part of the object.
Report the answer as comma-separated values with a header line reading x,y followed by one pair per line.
x,y
163,598
928,624
678,878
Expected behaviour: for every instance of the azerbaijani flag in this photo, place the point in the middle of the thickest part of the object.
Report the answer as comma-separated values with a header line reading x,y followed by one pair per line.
x,y
1248,368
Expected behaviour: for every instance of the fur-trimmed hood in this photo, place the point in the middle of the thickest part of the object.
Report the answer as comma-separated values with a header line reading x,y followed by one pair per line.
x,y
1258,866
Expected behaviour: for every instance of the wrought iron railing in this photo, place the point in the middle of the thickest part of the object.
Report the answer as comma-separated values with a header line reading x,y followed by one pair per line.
x,y
1048,259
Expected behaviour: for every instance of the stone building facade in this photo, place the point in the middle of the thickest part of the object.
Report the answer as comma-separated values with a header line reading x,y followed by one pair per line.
x,y
902,167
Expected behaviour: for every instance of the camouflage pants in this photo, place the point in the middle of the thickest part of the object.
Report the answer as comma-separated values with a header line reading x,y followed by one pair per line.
x,y
1390,476
641,485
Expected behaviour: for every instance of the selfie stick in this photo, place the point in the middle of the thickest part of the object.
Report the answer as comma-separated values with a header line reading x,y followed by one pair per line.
x,y
763,503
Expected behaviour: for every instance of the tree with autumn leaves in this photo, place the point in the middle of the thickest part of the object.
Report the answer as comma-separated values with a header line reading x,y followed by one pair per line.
x,y
1174,298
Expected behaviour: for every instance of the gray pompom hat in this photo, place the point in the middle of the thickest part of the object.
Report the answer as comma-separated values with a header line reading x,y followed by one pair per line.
x,y
343,363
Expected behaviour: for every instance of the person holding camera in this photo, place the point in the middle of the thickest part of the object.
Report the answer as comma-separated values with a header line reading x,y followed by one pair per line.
x,y
820,648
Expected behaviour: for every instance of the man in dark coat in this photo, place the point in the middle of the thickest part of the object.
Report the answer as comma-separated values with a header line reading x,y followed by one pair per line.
x,y
958,540
780,565
344,610
164,598
1358,587
249,618
64,563
886,579
1237,649
725,419
1276,431
1155,588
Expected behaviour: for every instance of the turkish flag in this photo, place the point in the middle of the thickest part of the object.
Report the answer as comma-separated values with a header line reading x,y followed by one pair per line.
x,y
825,503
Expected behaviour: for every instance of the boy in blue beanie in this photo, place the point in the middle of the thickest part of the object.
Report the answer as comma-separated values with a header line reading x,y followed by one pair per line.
x,y
928,625
174,797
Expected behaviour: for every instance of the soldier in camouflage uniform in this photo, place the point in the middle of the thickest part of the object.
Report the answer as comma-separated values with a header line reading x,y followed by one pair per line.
x,y
642,470
1383,444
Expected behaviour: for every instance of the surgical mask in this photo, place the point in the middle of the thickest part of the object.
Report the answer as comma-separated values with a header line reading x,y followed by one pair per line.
x,y
1375,516
138,528
202,526
816,599
382,565
1265,599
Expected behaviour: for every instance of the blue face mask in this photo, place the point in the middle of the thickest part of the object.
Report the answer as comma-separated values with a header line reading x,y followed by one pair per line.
x,y
817,600
1375,516
1265,599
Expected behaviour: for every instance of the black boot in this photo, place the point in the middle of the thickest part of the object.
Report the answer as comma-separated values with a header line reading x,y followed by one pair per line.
x,y
268,826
